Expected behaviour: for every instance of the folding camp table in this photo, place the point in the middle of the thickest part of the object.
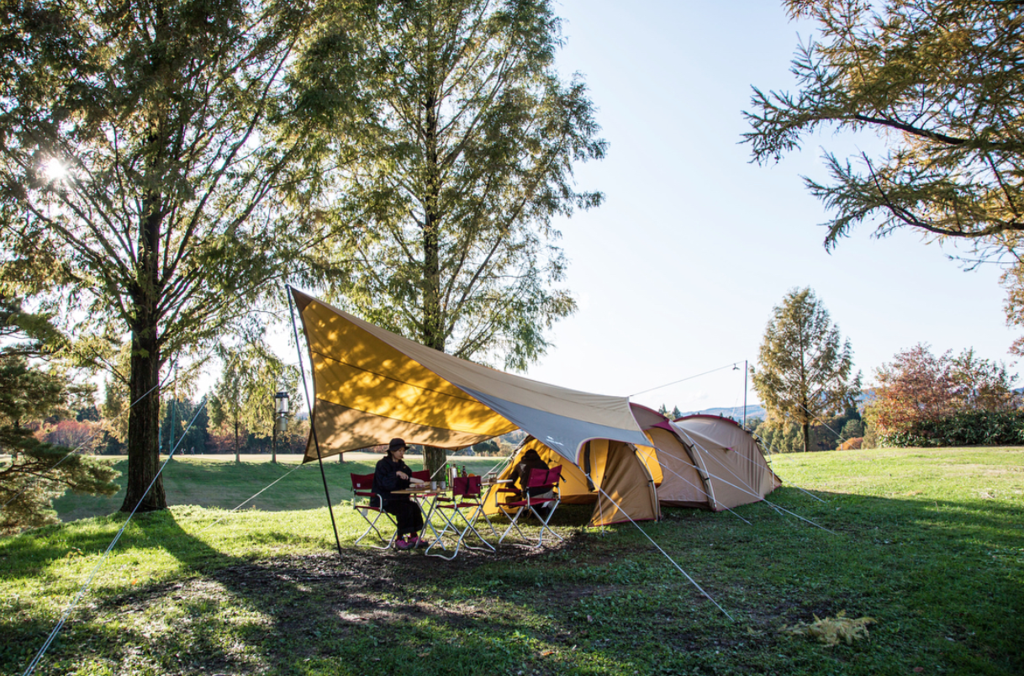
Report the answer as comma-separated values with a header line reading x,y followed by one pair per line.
x,y
469,494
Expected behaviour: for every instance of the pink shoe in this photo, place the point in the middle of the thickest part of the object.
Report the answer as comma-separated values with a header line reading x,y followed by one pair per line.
x,y
403,545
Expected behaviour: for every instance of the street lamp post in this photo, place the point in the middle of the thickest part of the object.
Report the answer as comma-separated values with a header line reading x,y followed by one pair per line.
x,y
280,419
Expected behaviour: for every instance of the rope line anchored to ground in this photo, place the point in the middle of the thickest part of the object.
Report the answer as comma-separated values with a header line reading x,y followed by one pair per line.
x,y
92,575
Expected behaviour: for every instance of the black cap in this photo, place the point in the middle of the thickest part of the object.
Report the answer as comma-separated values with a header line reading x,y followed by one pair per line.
x,y
396,444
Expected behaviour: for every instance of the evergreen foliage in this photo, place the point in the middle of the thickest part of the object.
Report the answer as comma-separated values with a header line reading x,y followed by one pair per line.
x,y
140,145
941,82
38,472
805,372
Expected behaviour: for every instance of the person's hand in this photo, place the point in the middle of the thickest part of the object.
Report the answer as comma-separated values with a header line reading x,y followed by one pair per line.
x,y
402,475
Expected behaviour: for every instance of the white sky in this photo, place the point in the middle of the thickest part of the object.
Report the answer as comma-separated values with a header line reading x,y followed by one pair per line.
x,y
677,273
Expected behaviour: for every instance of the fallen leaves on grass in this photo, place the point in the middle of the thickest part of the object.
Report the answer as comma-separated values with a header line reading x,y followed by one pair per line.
x,y
831,630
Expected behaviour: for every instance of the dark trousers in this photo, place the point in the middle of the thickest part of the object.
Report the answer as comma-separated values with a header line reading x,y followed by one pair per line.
x,y
407,514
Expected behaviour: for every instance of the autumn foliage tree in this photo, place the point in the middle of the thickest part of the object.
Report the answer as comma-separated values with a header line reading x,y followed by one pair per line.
x,y
918,387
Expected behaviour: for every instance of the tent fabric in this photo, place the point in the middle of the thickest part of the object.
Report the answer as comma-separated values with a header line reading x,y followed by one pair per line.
x,y
613,466
371,385
706,461
682,485
730,456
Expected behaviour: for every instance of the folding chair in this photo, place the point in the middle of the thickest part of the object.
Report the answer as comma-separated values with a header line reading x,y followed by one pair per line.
x,y
422,475
362,487
538,479
466,498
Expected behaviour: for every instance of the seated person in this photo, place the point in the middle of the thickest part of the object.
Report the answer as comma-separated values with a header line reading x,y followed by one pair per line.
x,y
392,474
531,460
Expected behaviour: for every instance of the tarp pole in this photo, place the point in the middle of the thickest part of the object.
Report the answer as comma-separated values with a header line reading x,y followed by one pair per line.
x,y
312,421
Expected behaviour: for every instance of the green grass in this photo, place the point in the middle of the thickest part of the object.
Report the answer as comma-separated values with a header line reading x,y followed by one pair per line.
x,y
929,543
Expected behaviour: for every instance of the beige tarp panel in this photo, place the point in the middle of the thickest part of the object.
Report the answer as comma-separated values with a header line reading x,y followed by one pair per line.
x,y
613,466
682,485
435,398
731,457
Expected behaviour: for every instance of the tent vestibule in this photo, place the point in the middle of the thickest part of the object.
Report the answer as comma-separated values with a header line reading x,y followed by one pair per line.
x,y
610,475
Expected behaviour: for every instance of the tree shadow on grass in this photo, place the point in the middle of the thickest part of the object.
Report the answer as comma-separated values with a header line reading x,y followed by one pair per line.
x,y
364,611
598,603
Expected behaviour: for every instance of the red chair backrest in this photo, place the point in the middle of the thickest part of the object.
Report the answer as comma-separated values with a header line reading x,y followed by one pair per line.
x,y
362,484
468,486
422,475
554,475
547,478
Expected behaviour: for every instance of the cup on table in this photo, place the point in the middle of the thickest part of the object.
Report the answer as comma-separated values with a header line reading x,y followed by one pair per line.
x,y
433,485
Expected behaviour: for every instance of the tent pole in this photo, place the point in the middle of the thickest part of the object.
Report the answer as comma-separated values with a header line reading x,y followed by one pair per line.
x,y
312,426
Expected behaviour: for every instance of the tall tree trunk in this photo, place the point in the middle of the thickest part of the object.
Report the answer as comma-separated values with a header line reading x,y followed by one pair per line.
x,y
237,459
807,436
433,311
144,380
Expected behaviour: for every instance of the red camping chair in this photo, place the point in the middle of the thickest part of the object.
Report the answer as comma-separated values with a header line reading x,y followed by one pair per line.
x,y
422,475
543,482
466,499
362,487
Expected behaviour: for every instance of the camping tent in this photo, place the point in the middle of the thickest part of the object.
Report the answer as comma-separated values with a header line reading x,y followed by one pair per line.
x,y
704,461
697,461
371,385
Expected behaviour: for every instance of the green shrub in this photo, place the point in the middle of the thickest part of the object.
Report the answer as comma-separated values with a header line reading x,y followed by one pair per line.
x,y
965,428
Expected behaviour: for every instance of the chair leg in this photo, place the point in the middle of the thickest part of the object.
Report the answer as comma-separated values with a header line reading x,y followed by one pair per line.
x,y
469,527
514,518
388,543
544,524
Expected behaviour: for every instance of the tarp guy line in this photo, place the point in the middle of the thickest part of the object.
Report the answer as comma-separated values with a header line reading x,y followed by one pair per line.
x,y
81,592
762,499
699,488
675,382
678,567
251,498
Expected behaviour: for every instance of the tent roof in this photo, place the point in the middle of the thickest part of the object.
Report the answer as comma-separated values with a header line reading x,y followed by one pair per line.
x,y
371,385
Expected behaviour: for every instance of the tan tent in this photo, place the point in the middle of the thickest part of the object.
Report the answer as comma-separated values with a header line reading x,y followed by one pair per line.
x,y
610,473
371,385
704,461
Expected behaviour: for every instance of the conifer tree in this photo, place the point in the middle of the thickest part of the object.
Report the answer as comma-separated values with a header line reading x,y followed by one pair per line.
x,y
805,370
455,141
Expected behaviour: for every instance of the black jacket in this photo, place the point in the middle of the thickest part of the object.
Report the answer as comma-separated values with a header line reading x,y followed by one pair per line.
x,y
386,479
529,462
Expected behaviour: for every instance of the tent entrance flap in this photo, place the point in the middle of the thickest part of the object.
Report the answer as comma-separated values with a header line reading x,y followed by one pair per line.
x,y
615,470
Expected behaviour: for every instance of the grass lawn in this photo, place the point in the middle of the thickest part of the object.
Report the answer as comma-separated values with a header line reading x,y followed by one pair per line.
x,y
928,543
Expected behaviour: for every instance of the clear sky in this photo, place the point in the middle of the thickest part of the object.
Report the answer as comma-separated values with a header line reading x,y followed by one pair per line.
x,y
677,273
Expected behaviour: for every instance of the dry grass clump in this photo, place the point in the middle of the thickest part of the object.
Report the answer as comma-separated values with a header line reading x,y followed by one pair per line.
x,y
832,630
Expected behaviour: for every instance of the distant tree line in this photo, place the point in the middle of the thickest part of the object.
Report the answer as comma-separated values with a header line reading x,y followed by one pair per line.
x,y
805,379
